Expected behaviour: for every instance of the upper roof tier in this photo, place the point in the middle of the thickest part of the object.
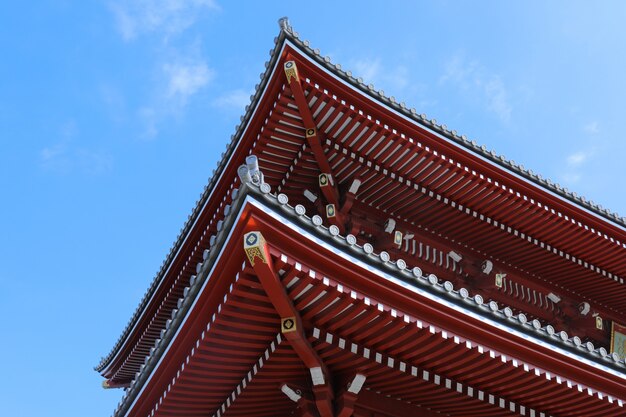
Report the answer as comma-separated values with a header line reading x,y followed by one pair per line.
x,y
412,169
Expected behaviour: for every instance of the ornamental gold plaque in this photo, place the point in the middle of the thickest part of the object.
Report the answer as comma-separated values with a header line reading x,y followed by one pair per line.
x,y
310,132
500,280
291,71
618,339
288,324
330,210
254,245
599,325
397,238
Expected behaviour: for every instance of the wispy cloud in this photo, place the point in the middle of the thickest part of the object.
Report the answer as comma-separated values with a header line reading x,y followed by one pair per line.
x,y
575,162
474,78
178,83
233,100
179,69
170,17
65,157
592,128
185,80
577,158
372,71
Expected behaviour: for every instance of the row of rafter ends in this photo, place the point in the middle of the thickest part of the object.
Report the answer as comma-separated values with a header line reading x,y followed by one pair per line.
x,y
415,275
287,31
432,123
399,267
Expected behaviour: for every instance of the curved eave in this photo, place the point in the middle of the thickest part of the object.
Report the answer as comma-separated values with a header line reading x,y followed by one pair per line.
x,y
392,283
460,140
526,179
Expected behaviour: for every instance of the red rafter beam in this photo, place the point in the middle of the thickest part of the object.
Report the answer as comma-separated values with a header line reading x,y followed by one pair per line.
x,y
313,137
291,323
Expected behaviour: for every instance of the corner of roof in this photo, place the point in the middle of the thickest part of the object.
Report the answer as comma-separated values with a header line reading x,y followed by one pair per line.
x,y
287,31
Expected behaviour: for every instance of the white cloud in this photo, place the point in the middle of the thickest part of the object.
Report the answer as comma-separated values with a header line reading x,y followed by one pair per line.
x,y
169,17
64,157
591,128
577,158
574,165
395,79
476,80
186,80
178,70
235,100
497,100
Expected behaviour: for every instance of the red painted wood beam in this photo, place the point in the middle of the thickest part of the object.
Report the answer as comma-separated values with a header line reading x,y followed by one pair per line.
x,y
292,328
313,137
348,397
305,405
332,264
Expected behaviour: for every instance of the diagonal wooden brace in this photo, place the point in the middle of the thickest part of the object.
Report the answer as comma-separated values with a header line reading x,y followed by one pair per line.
x,y
347,399
258,254
306,406
313,137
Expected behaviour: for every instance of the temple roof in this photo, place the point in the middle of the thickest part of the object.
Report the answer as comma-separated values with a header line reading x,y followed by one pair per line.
x,y
287,34
557,344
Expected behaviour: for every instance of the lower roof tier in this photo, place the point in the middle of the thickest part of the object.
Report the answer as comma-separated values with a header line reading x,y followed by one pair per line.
x,y
310,323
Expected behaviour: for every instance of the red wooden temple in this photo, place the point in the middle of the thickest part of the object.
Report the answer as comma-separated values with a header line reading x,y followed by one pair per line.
x,y
350,257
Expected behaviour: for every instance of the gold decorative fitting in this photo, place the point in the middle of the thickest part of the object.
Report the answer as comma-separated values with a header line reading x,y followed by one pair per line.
x,y
254,245
288,324
291,71
106,384
500,280
618,339
330,210
397,238
310,132
325,180
599,325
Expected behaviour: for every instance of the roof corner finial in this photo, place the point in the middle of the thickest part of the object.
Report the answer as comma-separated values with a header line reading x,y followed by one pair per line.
x,y
283,23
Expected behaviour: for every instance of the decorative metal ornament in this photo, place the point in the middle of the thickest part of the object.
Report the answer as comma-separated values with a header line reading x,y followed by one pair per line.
x,y
254,245
265,188
599,324
417,272
325,180
500,280
330,211
288,324
310,132
618,339
282,198
397,238
368,248
432,279
291,71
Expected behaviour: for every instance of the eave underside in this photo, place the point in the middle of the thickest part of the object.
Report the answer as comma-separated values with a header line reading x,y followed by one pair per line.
x,y
408,174
240,360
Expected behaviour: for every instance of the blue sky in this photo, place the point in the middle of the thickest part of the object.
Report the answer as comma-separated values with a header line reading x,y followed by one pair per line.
x,y
113,115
